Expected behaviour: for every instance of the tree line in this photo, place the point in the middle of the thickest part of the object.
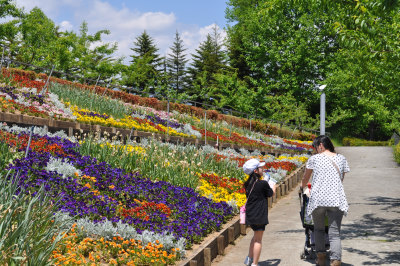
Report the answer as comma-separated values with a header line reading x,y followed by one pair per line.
x,y
276,55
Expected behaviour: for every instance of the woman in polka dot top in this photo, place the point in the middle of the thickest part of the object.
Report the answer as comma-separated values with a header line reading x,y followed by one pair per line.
x,y
327,197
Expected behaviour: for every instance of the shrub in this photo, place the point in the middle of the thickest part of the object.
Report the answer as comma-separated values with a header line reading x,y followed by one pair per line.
x,y
347,141
397,153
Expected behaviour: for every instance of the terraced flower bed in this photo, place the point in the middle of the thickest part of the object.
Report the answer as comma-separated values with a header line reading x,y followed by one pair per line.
x,y
123,202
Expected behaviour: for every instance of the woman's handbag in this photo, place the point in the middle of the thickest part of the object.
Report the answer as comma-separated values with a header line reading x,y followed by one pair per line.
x,y
242,214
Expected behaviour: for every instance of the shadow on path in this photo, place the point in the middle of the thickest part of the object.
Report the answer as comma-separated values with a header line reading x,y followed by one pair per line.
x,y
372,226
276,262
375,259
378,230
271,262
390,203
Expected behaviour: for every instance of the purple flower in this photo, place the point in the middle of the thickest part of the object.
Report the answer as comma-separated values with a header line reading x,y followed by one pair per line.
x,y
192,216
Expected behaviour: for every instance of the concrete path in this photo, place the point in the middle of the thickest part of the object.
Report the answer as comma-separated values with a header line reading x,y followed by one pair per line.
x,y
370,232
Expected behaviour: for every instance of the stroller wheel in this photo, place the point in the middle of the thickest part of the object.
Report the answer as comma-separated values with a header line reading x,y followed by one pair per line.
x,y
313,255
306,252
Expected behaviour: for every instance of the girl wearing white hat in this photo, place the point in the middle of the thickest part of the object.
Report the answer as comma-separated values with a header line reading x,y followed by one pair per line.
x,y
257,193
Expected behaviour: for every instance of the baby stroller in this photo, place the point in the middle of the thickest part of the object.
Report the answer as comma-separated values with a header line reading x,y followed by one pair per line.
x,y
309,251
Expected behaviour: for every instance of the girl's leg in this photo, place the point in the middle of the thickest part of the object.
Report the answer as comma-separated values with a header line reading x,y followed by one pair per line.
x,y
257,244
335,217
251,248
318,216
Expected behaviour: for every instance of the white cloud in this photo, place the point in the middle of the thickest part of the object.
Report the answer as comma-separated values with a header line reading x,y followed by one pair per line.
x,y
104,15
125,24
66,26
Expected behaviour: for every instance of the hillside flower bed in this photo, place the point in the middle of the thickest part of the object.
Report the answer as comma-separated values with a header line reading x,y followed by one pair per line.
x,y
28,101
90,108
225,189
214,115
307,145
173,163
114,204
101,193
119,251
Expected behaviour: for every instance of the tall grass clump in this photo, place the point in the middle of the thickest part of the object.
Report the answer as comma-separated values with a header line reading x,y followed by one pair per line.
x,y
29,233
92,101
6,156
173,163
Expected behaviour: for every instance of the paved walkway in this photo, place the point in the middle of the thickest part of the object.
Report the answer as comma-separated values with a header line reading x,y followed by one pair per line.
x,y
370,232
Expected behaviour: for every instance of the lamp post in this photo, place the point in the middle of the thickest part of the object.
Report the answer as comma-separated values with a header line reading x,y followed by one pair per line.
x,y
322,110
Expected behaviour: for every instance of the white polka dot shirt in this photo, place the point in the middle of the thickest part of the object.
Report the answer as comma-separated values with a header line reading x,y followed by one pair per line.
x,y
326,187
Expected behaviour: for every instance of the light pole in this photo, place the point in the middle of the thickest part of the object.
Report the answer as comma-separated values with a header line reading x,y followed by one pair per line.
x,y
322,110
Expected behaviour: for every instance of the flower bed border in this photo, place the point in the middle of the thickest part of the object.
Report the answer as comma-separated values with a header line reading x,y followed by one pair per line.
x,y
216,243
75,127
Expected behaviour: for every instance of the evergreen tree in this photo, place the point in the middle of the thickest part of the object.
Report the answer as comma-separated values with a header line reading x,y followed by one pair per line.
x,y
144,71
237,56
209,60
176,62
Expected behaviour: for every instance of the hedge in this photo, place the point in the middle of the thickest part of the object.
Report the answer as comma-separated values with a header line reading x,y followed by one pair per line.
x,y
397,153
362,142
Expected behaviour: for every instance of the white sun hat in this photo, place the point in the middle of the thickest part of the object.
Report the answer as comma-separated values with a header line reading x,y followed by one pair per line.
x,y
252,165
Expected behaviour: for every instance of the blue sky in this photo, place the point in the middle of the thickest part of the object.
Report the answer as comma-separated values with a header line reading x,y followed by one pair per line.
x,y
126,19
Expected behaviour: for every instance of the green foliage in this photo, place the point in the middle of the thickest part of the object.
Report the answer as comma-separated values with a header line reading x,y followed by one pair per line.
x,y
230,92
33,38
291,47
286,108
29,233
38,32
82,54
8,30
8,8
362,142
365,73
